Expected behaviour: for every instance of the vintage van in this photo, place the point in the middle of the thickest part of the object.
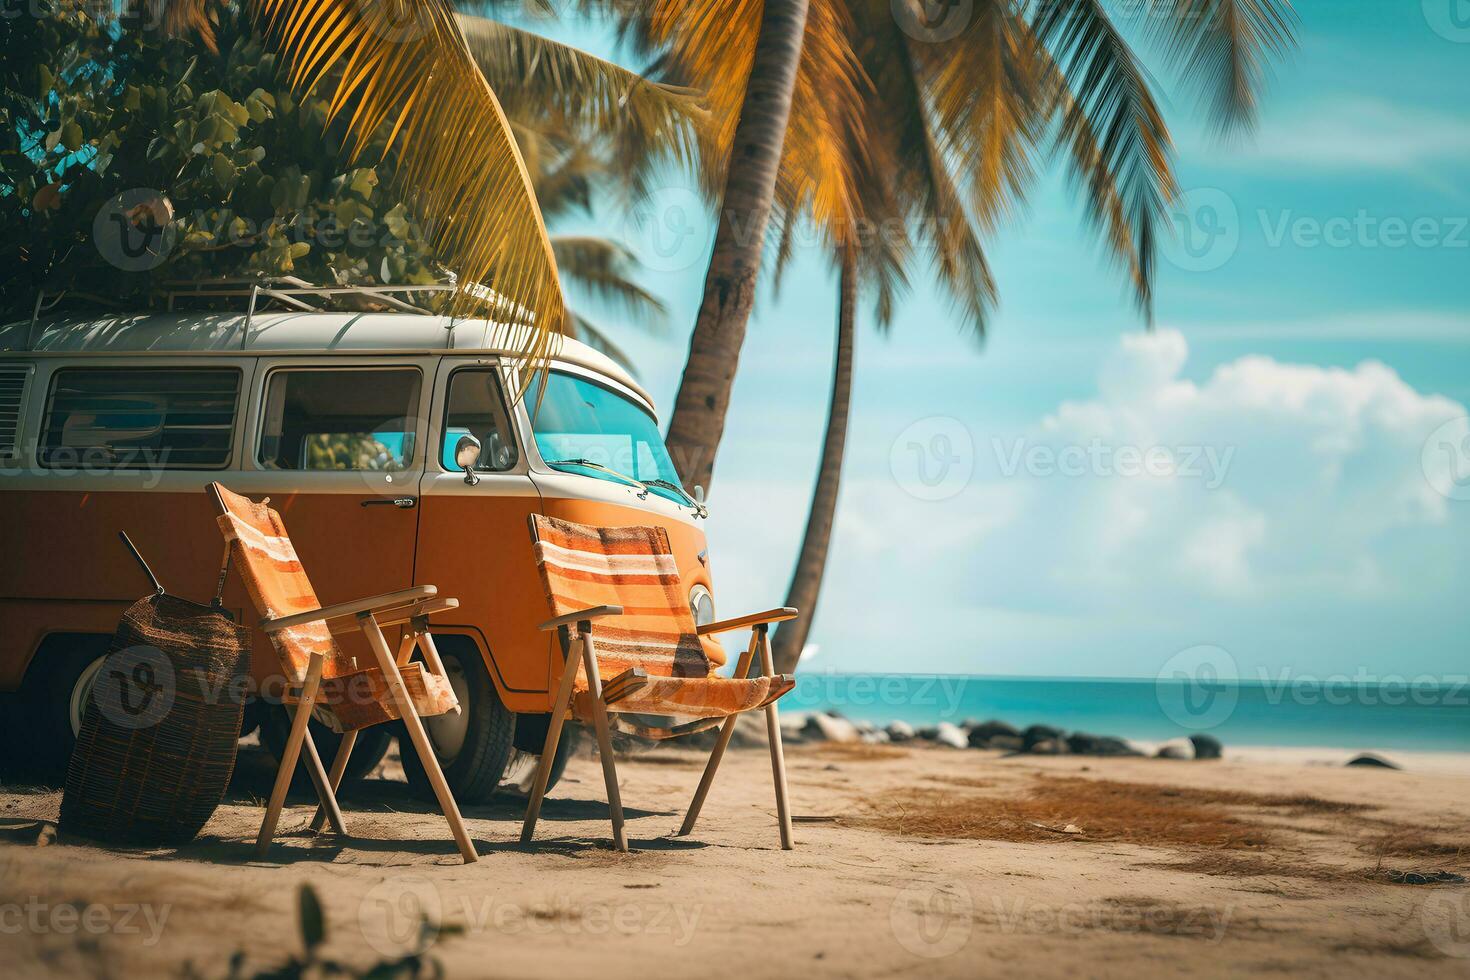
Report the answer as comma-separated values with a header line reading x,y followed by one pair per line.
x,y
349,422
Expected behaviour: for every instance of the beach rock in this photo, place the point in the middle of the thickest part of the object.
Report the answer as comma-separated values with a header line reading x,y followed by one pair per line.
x,y
1206,746
994,727
1373,761
1048,746
1176,748
929,732
865,727
1006,743
900,731
983,732
1083,743
1041,733
1109,745
750,731
829,728
951,735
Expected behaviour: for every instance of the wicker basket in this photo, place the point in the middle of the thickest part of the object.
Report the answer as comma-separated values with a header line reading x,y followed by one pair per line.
x,y
162,726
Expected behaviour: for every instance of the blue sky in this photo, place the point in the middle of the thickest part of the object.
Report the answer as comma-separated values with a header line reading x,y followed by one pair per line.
x,y
1076,498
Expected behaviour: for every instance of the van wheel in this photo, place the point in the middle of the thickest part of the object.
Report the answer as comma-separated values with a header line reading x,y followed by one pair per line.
x,y
369,749
530,738
473,746
53,701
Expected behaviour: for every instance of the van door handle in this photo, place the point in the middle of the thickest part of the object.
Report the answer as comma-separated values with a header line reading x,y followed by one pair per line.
x,y
403,502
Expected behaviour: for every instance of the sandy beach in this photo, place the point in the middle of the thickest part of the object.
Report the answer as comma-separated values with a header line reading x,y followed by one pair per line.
x,y
917,861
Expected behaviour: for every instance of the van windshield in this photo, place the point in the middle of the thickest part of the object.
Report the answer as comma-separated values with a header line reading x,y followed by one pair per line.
x,y
582,427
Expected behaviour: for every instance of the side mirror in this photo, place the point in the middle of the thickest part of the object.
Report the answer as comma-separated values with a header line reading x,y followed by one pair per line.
x,y
466,455
700,510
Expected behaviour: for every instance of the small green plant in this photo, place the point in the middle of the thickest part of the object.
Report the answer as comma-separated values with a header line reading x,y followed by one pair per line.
x,y
313,923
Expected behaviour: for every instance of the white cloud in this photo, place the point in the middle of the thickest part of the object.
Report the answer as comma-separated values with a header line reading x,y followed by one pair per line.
x,y
1272,478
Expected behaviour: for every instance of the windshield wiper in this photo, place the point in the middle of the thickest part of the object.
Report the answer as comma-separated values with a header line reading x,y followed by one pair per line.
x,y
670,485
598,466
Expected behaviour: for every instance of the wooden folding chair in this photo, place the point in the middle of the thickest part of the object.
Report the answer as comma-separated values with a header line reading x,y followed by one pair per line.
x,y
321,680
625,581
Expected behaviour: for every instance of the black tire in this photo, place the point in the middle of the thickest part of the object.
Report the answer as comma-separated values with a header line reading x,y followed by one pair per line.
x,y
530,738
369,749
472,747
50,703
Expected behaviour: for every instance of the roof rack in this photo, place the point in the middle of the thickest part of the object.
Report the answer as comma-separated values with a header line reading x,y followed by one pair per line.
x,y
289,291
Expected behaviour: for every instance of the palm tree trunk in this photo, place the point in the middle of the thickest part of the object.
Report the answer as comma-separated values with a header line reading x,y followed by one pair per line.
x,y
729,286
806,581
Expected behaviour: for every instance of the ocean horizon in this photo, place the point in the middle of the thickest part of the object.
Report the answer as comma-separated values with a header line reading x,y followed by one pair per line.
x,y
1409,715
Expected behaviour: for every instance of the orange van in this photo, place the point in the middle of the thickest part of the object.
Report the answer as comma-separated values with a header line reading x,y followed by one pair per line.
x,y
349,423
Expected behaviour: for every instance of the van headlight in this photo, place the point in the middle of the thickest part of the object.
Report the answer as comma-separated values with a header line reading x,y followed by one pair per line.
x,y
703,605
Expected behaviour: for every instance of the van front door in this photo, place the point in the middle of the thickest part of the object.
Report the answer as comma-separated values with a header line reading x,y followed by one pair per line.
x,y
474,536
338,445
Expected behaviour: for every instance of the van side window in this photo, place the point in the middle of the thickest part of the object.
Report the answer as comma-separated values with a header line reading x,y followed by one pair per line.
x,y
476,406
140,418
340,419
13,379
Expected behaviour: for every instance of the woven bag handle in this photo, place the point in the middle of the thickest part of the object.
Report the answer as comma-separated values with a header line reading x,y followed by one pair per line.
x,y
132,549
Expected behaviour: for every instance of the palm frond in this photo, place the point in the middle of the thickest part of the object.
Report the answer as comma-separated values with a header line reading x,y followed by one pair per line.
x,y
399,74
987,95
1120,146
603,268
183,18
544,82
1222,47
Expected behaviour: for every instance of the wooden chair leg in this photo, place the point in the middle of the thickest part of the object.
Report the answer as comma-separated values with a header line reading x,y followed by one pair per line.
x,y
604,742
418,736
288,758
773,735
559,709
326,791
339,767
726,730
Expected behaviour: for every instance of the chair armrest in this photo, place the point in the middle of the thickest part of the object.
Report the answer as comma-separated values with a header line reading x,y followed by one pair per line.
x,y
596,612
396,617
754,619
390,600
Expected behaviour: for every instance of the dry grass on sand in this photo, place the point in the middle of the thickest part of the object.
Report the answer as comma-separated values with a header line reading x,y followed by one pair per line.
x,y
1103,810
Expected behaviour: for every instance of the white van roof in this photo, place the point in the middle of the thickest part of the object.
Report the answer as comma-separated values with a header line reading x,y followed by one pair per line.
x,y
291,333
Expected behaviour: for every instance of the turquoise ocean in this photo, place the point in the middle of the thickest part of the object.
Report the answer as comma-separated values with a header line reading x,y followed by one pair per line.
x,y
1409,716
